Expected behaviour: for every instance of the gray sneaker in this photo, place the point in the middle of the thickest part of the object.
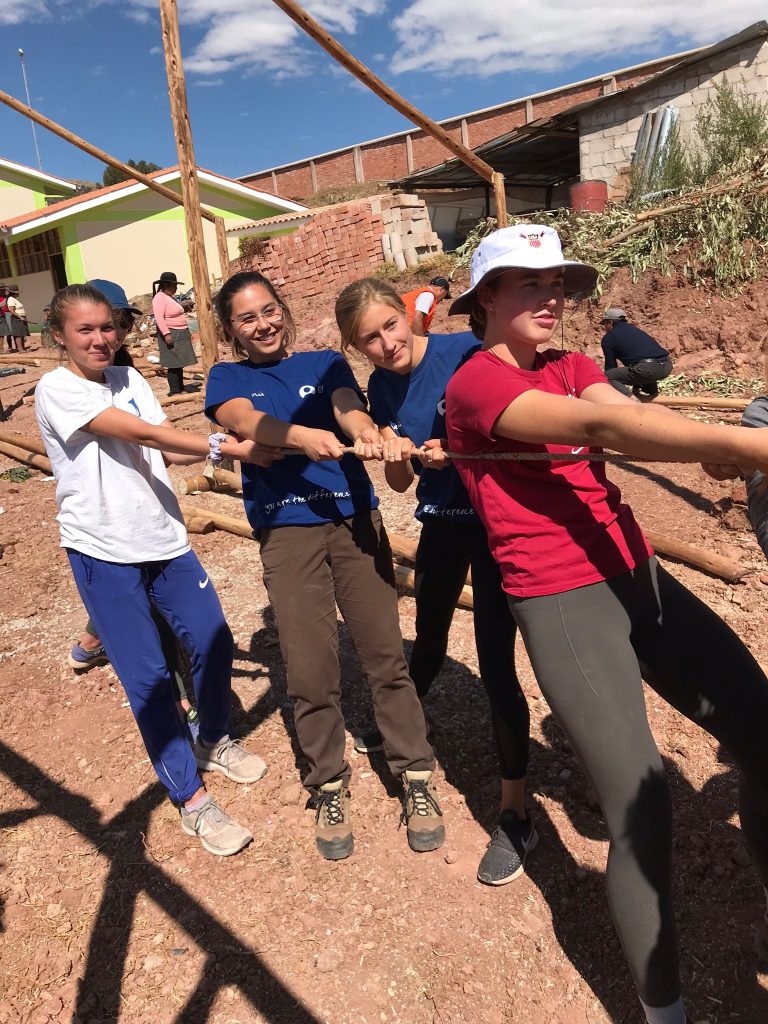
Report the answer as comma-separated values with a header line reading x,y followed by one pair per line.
x,y
219,834
229,758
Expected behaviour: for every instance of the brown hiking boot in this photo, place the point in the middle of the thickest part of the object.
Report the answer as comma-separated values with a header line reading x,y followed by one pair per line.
x,y
421,812
333,822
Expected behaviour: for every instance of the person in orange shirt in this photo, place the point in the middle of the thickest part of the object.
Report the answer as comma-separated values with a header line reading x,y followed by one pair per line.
x,y
421,304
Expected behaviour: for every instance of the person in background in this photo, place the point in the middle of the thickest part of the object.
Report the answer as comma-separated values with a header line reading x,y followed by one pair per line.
x,y
5,318
173,337
17,318
421,304
644,361
109,442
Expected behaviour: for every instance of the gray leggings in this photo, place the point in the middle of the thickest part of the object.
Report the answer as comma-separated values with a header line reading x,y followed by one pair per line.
x,y
589,648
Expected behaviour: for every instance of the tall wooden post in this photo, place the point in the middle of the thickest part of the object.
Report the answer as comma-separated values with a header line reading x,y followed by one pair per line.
x,y
221,242
177,91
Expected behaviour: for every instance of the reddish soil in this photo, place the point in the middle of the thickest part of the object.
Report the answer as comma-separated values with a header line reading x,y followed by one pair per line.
x,y
109,912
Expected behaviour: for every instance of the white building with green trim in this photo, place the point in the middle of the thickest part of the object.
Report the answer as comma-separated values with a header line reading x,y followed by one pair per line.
x,y
125,233
23,189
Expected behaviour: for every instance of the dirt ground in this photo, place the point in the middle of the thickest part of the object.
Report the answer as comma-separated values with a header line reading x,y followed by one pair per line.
x,y
109,912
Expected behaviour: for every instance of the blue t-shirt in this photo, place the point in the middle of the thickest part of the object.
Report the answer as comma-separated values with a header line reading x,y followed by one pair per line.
x,y
413,405
295,491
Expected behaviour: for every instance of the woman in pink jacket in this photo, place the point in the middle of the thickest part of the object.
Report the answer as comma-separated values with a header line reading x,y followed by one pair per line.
x,y
173,337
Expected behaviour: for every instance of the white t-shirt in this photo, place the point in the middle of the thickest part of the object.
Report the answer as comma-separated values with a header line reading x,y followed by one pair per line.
x,y
15,307
425,301
115,500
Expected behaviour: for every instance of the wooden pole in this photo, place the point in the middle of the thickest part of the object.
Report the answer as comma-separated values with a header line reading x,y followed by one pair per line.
x,y
701,402
500,195
31,444
698,557
221,242
99,154
177,91
28,458
402,106
221,480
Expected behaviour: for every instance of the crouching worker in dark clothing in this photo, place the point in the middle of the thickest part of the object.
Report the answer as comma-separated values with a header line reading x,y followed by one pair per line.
x,y
644,361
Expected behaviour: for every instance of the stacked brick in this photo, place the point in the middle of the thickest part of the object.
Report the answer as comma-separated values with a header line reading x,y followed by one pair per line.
x,y
346,242
408,238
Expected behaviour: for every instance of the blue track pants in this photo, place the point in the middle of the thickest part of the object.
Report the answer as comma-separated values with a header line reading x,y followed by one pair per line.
x,y
119,599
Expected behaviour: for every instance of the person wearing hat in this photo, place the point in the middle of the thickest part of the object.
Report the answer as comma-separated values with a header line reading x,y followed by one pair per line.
x,y
597,612
173,336
421,304
17,318
644,361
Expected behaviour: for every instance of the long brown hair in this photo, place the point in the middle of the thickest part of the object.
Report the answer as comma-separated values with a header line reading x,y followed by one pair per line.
x,y
223,304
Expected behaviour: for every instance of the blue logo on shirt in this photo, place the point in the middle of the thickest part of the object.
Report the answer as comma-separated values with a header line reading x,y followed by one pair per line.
x,y
132,401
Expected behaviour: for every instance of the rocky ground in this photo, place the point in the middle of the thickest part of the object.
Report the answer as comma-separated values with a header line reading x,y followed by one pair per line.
x,y
109,912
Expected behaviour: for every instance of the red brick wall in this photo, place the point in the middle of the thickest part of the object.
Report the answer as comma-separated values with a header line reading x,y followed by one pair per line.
x,y
385,161
334,248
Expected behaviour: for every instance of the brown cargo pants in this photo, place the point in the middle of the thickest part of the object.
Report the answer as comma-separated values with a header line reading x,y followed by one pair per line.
x,y
308,570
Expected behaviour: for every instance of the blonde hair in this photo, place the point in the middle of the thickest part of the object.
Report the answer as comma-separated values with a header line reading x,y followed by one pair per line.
x,y
355,299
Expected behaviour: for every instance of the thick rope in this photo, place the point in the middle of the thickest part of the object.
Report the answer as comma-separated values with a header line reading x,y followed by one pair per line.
x,y
519,456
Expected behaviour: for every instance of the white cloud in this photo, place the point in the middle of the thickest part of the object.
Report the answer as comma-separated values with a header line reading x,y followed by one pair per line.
x,y
255,35
487,37
13,13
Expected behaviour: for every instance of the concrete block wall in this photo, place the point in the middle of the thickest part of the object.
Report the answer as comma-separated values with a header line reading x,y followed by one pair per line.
x,y
346,242
388,159
608,136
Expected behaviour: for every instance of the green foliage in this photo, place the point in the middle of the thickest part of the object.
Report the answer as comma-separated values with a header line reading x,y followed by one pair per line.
x,y
711,384
113,177
343,194
16,475
252,247
730,123
441,264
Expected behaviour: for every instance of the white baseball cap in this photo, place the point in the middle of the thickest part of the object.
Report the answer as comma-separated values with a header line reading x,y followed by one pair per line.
x,y
523,247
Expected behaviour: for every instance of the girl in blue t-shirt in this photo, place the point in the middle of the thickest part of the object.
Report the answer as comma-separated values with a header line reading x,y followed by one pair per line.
x,y
406,393
322,545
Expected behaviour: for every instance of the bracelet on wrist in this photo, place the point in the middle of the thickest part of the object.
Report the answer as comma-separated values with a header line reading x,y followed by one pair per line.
x,y
214,444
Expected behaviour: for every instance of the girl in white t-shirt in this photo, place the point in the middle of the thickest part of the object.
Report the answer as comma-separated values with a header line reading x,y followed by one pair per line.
x,y
109,441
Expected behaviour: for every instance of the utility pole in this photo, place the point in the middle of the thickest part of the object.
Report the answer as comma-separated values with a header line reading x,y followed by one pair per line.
x,y
29,104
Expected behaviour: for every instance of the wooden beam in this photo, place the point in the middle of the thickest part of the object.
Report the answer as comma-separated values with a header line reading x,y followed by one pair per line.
x,y
231,524
219,480
698,557
26,441
701,402
500,195
28,458
94,151
190,191
384,92
221,243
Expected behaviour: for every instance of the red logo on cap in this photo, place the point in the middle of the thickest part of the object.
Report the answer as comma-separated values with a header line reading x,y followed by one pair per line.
x,y
534,239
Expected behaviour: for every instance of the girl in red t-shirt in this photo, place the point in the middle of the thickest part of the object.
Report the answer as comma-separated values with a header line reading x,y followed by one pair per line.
x,y
596,611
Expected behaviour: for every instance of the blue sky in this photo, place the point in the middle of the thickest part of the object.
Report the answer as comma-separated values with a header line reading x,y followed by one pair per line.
x,y
261,93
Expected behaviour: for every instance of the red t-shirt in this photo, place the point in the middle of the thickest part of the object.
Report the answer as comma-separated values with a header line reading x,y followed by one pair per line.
x,y
552,526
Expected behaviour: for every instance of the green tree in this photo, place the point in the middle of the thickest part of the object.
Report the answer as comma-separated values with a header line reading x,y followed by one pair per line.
x,y
112,176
